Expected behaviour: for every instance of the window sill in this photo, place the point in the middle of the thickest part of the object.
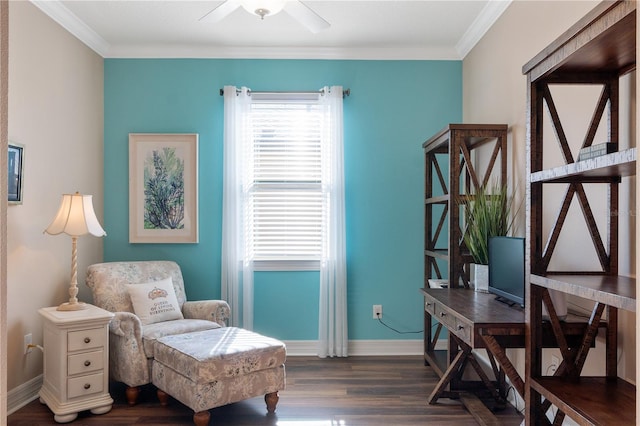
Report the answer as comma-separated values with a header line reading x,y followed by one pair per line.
x,y
286,265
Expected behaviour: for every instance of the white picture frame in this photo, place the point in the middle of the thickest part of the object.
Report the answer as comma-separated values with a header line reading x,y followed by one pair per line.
x,y
163,187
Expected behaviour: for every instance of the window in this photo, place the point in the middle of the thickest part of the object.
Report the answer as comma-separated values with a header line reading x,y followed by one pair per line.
x,y
283,200
283,183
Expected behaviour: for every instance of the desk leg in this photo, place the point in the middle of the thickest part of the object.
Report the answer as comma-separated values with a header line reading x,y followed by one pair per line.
x,y
499,353
449,374
457,365
485,379
430,338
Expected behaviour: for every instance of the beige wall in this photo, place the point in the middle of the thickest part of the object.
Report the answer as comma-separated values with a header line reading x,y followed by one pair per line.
x,y
494,91
4,89
56,112
494,88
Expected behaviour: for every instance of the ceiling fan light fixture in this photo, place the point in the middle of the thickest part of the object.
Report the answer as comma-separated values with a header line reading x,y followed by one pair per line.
x,y
263,8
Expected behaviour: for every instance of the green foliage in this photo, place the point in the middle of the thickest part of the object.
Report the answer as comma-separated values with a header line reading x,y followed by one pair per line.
x,y
487,215
164,190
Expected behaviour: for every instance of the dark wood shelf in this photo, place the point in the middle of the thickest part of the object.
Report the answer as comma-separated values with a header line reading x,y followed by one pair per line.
x,y
591,400
599,169
613,290
604,41
595,53
439,143
438,253
442,199
450,180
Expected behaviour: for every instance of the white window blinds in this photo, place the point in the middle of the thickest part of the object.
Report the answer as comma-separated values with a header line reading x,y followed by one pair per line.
x,y
284,182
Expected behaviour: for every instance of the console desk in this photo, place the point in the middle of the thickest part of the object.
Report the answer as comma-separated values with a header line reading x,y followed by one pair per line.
x,y
476,320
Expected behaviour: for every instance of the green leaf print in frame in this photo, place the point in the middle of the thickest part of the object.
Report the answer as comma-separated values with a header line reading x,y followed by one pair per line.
x,y
163,188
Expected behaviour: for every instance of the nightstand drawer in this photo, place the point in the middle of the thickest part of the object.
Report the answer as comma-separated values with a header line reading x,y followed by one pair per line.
x,y
86,339
85,385
84,363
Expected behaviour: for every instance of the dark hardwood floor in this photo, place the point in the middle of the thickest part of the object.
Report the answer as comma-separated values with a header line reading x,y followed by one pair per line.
x,y
320,392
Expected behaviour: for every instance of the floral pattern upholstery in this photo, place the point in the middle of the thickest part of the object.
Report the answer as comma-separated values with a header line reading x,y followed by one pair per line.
x,y
131,345
155,331
210,368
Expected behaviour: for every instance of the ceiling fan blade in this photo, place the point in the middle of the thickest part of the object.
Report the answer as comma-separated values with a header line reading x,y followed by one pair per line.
x,y
306,16
222,11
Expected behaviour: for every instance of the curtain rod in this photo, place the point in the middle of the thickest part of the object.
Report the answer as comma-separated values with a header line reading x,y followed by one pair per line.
x,y
345,92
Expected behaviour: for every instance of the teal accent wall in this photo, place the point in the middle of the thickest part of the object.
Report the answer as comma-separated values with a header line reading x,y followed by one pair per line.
x,y
394,106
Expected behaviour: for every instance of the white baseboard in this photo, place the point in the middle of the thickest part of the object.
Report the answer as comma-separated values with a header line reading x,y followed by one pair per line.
x,y
364,347
21,395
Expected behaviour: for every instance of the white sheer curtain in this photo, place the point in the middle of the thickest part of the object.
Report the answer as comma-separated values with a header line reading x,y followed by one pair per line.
x,y
237,272
332,329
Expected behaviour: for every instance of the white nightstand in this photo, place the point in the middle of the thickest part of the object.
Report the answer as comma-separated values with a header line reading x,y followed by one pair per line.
x,y
76,362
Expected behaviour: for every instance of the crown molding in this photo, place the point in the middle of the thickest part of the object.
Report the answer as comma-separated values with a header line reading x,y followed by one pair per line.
x,y
242,52
487,17
69,21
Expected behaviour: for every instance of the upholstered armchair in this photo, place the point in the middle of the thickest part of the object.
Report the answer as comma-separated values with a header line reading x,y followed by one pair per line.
x,y
131,339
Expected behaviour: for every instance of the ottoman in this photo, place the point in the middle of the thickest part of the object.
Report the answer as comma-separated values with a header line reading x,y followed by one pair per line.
x,y
211,368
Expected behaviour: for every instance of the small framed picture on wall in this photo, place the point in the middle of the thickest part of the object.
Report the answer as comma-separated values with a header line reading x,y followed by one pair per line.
x,y
163,188
16,172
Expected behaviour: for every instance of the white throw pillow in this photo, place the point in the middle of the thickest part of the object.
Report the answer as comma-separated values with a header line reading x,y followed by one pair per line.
x,y
155,301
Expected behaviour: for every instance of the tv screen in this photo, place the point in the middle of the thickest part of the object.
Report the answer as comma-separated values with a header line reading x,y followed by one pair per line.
x,y
506,269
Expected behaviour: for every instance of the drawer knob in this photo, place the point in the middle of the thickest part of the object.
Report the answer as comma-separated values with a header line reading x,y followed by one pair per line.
x,y
443,314
87,363
428,304
460,327
87,339
87,385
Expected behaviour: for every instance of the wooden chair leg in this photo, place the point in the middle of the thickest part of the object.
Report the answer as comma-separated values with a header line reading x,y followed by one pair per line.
x,y
272,400
132,395
201,418
163,397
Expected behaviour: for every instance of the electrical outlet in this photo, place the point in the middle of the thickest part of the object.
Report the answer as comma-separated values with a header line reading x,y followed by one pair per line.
x,y
377,311
28,339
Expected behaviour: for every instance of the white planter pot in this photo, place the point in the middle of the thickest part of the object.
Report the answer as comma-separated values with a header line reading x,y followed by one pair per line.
x,y
481,278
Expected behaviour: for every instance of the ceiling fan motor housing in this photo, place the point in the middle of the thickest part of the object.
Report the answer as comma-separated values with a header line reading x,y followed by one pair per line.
x,y
262,12
263,8
294,8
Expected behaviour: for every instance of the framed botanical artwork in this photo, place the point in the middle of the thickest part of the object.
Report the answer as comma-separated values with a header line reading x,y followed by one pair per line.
x,y
16,172
163,188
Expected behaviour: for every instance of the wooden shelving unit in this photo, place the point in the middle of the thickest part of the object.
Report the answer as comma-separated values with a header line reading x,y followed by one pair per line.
x,y
450,177
598,50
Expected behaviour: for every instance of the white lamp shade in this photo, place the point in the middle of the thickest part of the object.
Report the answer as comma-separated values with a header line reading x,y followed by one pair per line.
x,y
76,217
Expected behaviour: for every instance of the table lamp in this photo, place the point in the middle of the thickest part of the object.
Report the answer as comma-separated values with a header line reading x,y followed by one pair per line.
x,y
75,217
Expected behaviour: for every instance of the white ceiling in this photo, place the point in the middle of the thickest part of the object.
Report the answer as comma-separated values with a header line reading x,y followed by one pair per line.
x,y
413,29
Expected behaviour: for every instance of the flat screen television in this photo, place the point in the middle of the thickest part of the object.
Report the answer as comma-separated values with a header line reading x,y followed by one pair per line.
x,y
506,269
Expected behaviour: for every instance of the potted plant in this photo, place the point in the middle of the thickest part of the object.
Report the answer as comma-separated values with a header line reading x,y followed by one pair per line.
x,y
487,214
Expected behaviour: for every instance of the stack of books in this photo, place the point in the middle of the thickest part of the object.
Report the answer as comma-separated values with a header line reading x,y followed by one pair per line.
x,y
597,150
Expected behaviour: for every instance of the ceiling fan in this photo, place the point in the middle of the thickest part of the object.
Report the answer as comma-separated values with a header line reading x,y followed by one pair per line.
x,y
298,10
